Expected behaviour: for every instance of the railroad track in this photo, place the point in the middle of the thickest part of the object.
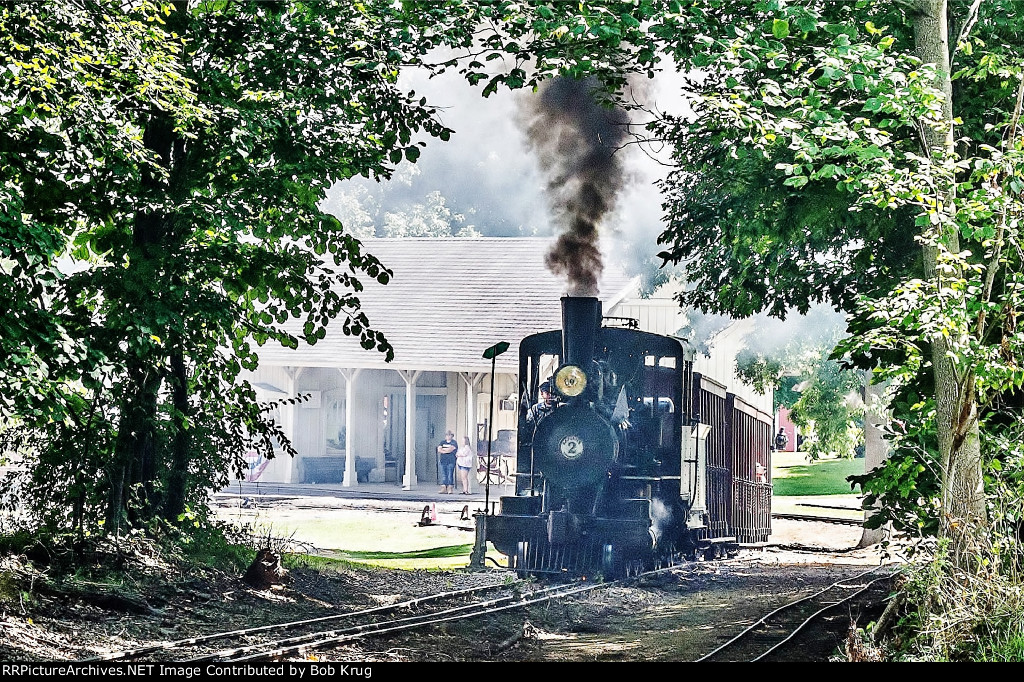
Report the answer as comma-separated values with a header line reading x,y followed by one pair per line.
x,y
524,595
264,643
299,639
820,519
303,639
201,645
766,636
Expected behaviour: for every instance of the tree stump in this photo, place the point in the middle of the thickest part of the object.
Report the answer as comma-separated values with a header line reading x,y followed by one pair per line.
x,y
265,570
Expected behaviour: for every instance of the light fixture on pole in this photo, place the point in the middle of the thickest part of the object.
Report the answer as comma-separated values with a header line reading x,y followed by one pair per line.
x,y
491,354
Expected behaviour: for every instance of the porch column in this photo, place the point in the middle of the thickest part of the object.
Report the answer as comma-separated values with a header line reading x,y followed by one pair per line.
x,y
350,454
472,380
410,378
291,417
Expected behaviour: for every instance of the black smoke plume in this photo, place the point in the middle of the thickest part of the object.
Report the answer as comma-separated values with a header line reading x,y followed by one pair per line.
x,y
576,140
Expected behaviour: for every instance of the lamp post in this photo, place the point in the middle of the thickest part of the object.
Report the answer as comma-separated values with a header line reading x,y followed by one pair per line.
x,y
491,354
476,558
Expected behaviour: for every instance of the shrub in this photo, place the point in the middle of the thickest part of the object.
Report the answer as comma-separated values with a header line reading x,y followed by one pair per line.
x,y
961,610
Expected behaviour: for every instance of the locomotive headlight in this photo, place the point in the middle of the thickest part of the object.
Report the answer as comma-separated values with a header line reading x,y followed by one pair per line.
x,y
570,381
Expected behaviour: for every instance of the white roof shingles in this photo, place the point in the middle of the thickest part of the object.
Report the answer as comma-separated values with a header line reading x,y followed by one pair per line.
x,y
449,300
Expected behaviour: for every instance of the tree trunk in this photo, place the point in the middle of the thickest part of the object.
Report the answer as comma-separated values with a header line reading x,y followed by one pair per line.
x,y
876,450
134,452
177,483
959,441
135,448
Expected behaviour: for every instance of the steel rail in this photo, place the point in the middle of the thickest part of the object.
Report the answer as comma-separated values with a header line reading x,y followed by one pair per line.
x,y
814,615
130,654
787,606
821,519
303,643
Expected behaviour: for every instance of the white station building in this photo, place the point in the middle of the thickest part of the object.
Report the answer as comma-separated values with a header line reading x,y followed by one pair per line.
x,y
449,300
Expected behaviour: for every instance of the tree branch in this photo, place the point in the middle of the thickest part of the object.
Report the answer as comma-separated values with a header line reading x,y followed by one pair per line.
x,y
993,263
972,19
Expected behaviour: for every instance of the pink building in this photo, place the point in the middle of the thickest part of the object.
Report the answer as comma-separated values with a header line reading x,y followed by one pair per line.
x,y
782,421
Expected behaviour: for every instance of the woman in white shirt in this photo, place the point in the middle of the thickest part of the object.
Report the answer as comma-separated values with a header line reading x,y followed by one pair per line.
x,y
464,462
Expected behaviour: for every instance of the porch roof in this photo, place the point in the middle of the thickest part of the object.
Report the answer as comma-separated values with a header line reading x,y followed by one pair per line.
x,y
450,299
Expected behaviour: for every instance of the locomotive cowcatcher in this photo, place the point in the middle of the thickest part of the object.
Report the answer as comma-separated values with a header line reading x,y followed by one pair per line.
x,y
639,461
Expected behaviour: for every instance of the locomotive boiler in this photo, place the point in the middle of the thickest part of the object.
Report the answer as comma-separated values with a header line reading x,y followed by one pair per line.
x,y
639,460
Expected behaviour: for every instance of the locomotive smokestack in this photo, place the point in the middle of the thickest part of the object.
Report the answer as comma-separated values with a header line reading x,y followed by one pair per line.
x,y
581,319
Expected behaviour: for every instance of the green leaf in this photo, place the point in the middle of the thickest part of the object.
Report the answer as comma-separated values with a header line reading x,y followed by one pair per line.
x,y
806,23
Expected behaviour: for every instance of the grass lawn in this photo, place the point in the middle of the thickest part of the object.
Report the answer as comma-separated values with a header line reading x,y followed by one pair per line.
x,y
394,540
801,486
793,474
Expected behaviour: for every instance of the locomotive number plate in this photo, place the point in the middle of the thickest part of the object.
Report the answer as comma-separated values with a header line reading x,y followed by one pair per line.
x,y
571,447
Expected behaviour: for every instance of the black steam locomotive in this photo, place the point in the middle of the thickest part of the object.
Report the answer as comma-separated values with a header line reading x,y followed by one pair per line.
x,y
638,461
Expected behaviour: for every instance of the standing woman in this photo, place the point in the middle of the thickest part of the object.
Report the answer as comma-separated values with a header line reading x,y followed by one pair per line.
x,y
465,463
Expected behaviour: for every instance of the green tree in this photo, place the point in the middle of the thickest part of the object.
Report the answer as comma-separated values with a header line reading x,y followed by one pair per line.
x,y
362,214
821,167
430,219
209,239
177,154
831,410
793,362
73,75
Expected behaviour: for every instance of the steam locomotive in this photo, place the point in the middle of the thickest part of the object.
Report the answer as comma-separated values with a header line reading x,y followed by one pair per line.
x,y
640,461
